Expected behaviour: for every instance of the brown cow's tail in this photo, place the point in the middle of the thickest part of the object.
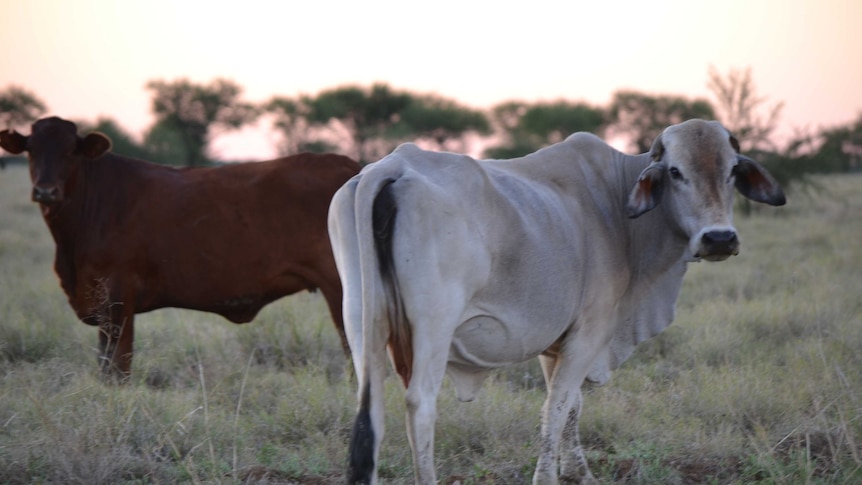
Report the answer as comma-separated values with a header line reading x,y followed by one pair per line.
x,y
383,318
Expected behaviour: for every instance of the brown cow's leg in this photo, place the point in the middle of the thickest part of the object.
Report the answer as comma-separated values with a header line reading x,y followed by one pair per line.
x,y
333,298
116,337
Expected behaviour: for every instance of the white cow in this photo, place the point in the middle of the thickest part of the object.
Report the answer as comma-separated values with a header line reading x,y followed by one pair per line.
x,y
575,254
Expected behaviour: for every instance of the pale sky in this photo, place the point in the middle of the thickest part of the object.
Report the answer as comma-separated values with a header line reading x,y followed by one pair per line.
x,y
91,58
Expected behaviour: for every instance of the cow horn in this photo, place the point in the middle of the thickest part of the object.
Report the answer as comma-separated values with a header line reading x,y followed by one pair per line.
x,y
656,152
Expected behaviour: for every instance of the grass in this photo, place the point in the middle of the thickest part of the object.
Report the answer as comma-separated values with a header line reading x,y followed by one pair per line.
x,y
759,380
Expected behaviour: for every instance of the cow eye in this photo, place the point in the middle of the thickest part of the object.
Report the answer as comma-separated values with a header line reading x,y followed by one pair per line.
x,y
675,173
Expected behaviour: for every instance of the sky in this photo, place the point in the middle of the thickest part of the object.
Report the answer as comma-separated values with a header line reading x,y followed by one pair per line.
x,y
92,58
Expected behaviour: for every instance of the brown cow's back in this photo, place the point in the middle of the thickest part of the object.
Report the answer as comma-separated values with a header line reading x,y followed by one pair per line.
x,y
229,239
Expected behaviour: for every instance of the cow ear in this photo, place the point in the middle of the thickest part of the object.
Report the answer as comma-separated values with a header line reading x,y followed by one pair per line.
x,y
647,191
12,141
756,183
94,145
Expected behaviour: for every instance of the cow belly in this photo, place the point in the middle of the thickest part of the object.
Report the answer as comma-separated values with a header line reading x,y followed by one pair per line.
x,y
486,342
238,299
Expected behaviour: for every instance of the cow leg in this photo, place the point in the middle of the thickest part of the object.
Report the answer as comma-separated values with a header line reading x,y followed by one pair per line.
x,y
564,373
116,337
573,463
547,362
429,369
333,297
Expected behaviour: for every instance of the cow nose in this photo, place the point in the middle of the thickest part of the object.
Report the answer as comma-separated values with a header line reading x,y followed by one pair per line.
x,y
45,194
719,244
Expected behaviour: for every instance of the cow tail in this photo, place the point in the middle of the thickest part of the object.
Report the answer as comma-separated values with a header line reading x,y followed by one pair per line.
x,y
383,319
361,466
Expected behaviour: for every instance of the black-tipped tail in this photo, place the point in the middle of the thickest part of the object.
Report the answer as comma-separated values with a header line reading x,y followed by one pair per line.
x,y
361,465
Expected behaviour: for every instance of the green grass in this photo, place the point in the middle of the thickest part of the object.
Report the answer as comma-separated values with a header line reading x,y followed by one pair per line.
x,y
759,380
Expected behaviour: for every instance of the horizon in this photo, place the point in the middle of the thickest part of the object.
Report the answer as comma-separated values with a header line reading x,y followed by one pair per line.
x,y
92,58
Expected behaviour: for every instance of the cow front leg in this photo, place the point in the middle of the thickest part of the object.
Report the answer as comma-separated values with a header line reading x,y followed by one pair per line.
x,y
564,373
573,463
116,337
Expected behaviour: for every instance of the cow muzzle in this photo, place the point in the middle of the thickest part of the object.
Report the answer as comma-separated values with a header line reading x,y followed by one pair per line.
x,y
46,195
717,244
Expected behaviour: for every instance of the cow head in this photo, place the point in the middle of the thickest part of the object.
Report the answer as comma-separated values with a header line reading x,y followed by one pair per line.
x,y
55,152
694,168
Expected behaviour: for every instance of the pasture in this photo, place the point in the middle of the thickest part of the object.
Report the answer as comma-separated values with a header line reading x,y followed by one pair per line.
x,y
759,379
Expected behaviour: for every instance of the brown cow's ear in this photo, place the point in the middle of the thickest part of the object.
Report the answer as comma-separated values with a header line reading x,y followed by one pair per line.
x,y
12,141
756,183
647,191
94,145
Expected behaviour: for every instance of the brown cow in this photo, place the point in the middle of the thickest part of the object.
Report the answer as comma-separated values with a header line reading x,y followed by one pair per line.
x,y
133,236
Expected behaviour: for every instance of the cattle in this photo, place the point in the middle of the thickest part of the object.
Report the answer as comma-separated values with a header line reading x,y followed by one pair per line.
x,y
133,236
573,254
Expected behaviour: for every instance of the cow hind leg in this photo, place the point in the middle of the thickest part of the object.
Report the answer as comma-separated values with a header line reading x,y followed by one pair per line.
x,y
429,369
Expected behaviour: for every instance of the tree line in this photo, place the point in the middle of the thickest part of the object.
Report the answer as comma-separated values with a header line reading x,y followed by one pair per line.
x,y
367,122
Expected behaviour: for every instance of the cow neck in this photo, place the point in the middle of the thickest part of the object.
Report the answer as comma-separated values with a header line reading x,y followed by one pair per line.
x,y
92,193
84,194
65,224
655,244
101,184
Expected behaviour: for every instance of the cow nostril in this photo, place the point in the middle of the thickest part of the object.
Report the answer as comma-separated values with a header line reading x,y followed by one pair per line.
x,y
43,194
719,237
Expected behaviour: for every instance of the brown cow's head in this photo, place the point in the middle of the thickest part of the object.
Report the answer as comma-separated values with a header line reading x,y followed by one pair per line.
x,y
55,152
694,169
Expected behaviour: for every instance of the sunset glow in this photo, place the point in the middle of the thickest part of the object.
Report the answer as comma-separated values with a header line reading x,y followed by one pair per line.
x,y
92,58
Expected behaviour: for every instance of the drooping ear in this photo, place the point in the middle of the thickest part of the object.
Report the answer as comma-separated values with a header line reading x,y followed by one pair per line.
x,y
94,145
12,141
756,183
647,191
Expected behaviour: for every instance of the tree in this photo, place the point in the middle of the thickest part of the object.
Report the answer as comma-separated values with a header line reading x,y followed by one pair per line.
x,y
641,117
553,122
289,118
439,119
371,121
121,141
166,145
840,149
526,128
741,110
195,111
19,107
364,115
